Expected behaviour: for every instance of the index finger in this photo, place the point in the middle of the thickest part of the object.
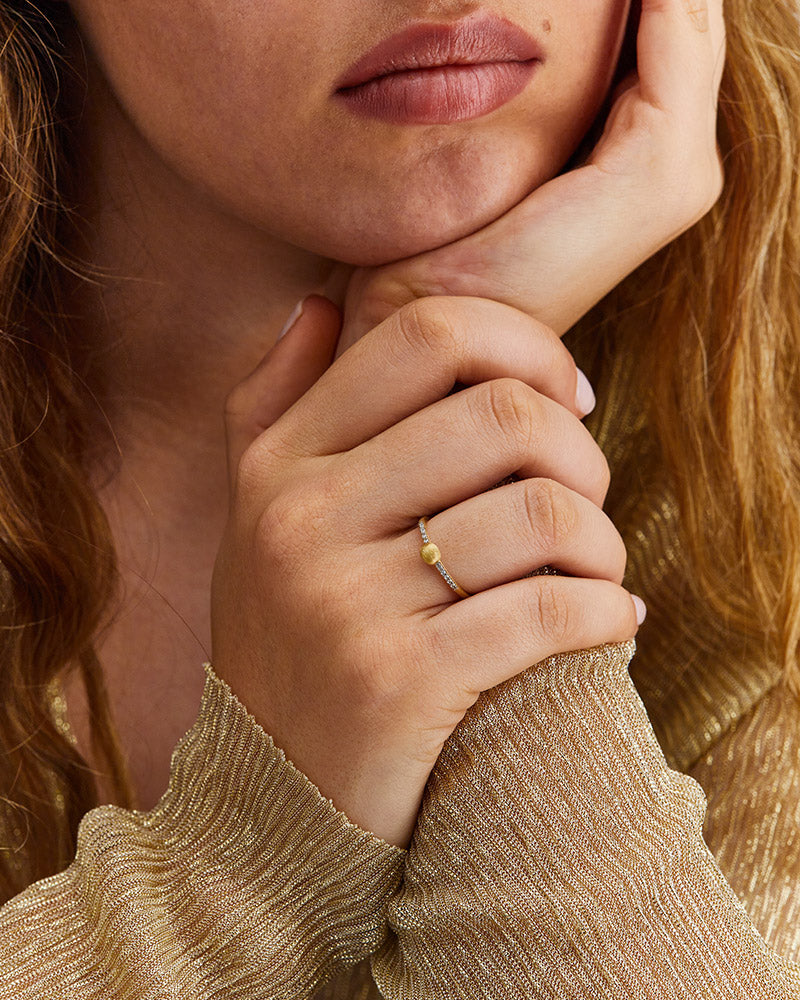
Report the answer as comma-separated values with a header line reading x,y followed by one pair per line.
x,y
414,358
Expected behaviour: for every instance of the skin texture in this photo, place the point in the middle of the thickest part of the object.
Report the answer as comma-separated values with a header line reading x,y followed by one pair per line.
x,y
236,98
216,235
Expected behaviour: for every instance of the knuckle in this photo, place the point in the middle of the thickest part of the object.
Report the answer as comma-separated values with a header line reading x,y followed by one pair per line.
x,y
704,192
259,470
237,403
716,181
295,523
251,473
508,403
374,668
280,531
432,644
697,186
551,612
550,519
429,327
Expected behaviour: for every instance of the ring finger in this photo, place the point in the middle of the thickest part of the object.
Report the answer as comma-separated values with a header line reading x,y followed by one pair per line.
x,y
507,533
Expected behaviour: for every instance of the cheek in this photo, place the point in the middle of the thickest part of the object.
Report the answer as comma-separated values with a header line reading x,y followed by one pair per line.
x,y
213,84
234,97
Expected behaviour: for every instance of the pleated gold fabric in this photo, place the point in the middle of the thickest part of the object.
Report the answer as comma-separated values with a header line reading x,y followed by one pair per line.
x,y
564,848
556,855
243,882
752,780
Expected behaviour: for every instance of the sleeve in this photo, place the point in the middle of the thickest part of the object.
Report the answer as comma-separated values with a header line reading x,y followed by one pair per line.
x,y
557,855
751,777
243,882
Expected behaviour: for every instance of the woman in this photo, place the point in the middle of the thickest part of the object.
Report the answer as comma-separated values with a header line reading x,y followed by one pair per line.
x,y
216,162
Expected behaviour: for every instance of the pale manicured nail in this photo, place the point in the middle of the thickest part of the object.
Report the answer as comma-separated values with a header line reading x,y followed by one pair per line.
x,y
585,399
641,609
297,312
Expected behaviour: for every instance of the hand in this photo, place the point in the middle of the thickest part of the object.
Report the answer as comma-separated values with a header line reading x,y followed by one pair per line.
x,y
654,173
352,653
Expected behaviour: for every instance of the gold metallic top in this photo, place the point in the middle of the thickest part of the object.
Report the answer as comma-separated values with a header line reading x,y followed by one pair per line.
x,y
571,843
242,882
556,854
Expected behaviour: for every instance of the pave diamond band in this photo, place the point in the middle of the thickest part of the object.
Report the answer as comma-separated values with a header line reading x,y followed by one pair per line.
x,y
432,556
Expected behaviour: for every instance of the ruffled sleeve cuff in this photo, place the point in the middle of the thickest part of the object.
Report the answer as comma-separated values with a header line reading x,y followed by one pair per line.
x,y
244,881
557,855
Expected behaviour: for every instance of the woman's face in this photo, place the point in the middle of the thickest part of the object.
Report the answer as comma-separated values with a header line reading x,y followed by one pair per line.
x,y
242,99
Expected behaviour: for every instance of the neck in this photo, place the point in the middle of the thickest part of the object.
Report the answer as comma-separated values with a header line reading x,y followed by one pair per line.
x,y
188,299
186,302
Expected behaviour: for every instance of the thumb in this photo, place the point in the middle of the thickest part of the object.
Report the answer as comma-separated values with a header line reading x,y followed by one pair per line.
x,y
304,350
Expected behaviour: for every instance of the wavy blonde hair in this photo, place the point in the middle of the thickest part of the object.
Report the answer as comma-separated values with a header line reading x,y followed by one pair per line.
x,y
702,343
57,562
697,360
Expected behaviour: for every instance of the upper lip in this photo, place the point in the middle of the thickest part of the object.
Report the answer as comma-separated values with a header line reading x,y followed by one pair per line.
x,y
423,45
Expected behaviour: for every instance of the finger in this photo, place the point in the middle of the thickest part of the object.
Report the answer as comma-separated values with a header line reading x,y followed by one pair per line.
x,y
294,364
507,533
718,40
416,357
464,445
679,49
501,632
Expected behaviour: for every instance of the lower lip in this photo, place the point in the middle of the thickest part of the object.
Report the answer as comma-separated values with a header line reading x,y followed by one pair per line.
x,y
440,95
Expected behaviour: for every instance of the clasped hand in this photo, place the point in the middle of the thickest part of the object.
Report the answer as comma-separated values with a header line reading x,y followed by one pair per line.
x,y
352,653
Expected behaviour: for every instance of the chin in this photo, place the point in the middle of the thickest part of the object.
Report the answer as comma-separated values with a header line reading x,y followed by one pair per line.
x,y
452,195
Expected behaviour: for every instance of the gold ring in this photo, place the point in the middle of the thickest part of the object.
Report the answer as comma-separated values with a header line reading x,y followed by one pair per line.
x,y
433,557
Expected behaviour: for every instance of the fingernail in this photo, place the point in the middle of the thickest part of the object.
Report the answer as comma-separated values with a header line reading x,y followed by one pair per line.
x,y
641,609
585,399
297,312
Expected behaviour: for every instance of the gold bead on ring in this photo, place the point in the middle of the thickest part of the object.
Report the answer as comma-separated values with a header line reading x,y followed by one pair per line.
x,y
433,557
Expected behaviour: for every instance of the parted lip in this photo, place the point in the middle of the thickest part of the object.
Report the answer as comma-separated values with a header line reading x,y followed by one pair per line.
x,y
485,39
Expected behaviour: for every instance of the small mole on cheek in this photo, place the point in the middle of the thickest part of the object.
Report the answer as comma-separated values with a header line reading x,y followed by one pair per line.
x,y
546,26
